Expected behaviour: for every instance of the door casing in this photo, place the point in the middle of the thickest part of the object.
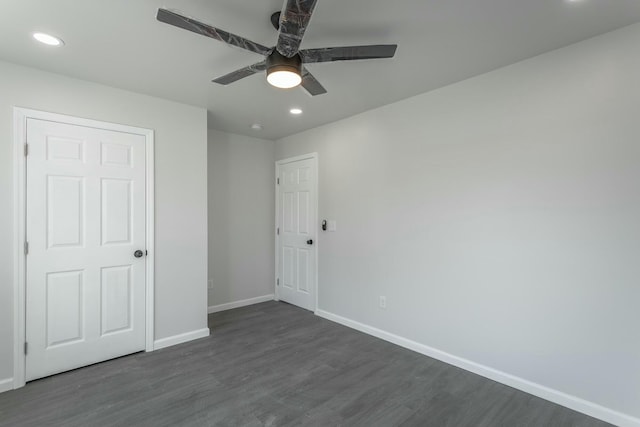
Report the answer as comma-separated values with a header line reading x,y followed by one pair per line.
x,y
20,116
313,156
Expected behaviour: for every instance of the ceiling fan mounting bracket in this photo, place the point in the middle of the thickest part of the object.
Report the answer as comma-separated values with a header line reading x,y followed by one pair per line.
x,y
275,20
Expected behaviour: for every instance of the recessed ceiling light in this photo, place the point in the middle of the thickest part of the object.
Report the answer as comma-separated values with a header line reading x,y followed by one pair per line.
x,y
256,126
48,39
295,111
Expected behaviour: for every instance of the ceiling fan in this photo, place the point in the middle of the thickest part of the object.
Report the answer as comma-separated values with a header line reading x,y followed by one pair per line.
x,y
284,63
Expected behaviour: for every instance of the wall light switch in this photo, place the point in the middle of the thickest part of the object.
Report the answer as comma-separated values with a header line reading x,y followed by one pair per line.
x,y
210,283
331,225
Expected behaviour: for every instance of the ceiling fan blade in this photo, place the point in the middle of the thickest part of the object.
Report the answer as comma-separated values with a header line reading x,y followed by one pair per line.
x,y
177,20
241,73
348,53
294,19
310,83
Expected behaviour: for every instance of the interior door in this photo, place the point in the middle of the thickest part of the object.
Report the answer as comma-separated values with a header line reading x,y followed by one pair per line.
x,y
85,285
297,233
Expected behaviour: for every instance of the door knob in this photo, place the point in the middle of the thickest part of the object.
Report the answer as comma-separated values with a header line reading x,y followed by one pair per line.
x,y
138,253
309,242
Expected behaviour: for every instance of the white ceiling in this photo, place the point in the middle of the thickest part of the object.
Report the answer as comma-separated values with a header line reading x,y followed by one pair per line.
x,y
120,43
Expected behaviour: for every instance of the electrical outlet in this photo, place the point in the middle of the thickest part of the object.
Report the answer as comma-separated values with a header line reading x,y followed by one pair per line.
x,y
210,283
383,302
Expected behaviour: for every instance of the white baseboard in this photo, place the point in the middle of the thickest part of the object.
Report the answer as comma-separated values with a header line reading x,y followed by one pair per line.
x,y
6,385
179,339
241,303
566,400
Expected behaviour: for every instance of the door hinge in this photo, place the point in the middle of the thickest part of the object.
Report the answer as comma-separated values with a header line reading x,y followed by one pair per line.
x,y
26,346
278,181
278,281
26,149
26,248
278,231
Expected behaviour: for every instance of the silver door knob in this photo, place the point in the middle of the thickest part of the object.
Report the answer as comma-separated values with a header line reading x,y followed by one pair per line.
x,y
138,253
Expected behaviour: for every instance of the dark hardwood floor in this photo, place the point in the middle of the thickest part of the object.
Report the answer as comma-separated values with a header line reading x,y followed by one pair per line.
x,y
273,364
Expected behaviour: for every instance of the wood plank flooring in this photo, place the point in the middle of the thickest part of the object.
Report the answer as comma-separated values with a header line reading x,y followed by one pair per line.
x,y
273,364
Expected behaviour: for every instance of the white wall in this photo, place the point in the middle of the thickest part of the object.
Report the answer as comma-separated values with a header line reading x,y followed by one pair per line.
x,y
241,217
500,216
181,189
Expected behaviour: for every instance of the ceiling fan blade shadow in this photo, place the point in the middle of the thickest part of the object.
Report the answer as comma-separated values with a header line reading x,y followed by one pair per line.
x,y
190,24
294,20
348,53
241,73
310,84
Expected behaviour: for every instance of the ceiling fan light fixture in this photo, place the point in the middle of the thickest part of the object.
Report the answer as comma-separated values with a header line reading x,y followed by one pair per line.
x,y
283,72
284,79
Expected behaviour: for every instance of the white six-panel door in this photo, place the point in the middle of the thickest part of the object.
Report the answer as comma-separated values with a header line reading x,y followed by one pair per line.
x,y
85,289
297,233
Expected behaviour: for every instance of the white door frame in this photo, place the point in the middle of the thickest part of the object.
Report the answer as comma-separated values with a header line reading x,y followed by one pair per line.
x,y
20,116
314,157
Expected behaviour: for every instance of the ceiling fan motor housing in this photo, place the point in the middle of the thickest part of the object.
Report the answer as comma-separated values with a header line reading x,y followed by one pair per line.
x,y
278,62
